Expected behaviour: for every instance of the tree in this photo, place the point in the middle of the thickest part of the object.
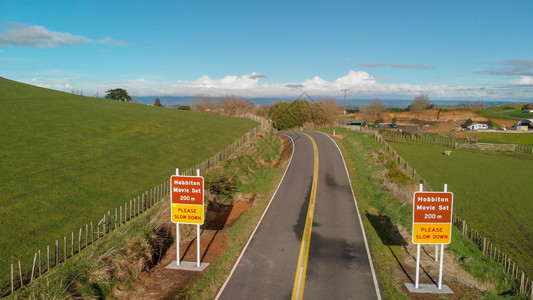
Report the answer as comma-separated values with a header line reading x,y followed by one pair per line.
x,y
202,103
467,123
527,106
299,113
420,103
233,105
158,103
331,110
118,94
373,111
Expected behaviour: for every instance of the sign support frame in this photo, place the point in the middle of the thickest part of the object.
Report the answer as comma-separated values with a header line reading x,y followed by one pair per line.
x,y
427,288
184,265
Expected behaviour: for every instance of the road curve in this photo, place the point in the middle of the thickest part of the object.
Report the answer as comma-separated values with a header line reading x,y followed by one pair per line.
x,y
333,257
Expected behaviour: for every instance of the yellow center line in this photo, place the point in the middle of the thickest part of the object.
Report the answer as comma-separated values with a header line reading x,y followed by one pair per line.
x,y
301,270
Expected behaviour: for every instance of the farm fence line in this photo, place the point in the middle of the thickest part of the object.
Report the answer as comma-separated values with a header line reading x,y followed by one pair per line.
x,y
489,249
66,247
454,142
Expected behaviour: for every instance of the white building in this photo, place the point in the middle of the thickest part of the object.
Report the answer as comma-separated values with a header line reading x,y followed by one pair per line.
x,y
478,126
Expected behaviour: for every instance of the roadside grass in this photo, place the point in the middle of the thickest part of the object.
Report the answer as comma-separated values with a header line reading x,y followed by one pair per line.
x,y
524,139
359,152
116,261
507,111
259,173
117,258
472,260
68,159
492,191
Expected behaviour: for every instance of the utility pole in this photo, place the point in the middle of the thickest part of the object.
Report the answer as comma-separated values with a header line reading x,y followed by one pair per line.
x,y
345,91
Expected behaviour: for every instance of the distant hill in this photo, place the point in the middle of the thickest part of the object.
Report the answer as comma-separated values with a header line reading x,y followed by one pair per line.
x,y
67,159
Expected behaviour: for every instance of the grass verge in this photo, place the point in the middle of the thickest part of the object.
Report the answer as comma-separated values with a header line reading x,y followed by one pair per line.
x,y
382,210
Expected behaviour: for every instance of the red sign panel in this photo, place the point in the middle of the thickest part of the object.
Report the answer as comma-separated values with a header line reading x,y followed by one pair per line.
x,y
187,190
432,207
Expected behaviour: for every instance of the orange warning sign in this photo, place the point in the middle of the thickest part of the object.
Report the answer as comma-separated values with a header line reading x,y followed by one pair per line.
x,y
436,233
190,214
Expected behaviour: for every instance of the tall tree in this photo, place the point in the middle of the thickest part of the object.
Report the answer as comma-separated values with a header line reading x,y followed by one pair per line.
x,y
420,103
157,102
233,105
118,94
331,110
202,103
373,111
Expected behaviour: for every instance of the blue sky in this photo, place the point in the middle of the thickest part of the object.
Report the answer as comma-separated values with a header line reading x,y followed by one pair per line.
x,y
388,49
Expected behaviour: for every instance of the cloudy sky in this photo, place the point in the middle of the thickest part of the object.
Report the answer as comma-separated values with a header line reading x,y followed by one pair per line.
x,y
466,50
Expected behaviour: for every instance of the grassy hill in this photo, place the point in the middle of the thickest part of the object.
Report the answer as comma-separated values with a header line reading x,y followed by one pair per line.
x,y
66,159
508,111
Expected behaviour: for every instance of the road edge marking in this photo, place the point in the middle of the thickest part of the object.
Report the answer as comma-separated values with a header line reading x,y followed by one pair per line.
x,y
258,223
370,260
301,268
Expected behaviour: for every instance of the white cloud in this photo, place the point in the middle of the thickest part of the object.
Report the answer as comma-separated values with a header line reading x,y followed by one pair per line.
x,y
361,84
39,37
526,80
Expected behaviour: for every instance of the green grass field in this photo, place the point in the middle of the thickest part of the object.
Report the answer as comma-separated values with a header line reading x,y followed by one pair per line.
x,y
492,191
508,111
113,263
524,139
67,159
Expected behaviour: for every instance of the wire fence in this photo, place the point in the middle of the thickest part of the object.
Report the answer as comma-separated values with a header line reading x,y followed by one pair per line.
x,y
454,142
68,246
489,249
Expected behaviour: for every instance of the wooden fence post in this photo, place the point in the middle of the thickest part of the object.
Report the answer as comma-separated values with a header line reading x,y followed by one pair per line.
x,y
57,252
33,267
92,234
12,281
72,244
48,258
39,262
65,248
522,283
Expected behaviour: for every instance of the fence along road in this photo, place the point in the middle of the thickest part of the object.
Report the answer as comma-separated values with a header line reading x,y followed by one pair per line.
x,y
328,262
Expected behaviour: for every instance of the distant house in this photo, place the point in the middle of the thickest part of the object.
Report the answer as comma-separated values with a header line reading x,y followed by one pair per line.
x,y
477,126
526,122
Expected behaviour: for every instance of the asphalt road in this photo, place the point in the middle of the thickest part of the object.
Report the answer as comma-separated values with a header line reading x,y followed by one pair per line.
x,y
307,251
